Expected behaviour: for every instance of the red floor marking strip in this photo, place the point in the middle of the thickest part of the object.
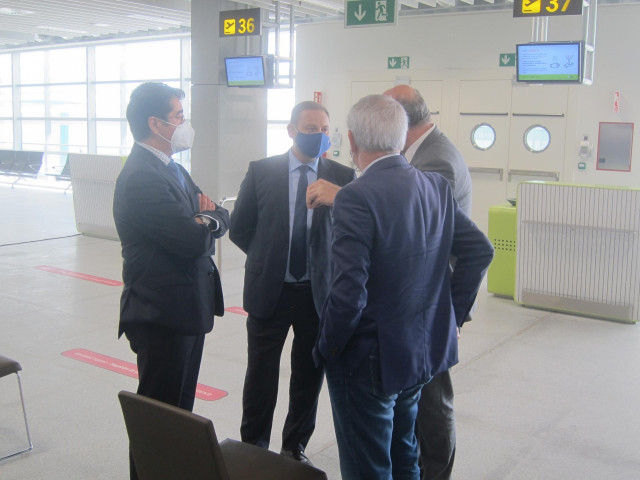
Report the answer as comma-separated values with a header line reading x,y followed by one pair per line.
x,y
203,392
81,276
238,310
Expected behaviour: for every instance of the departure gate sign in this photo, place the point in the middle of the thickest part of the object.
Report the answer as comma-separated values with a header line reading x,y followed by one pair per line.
x,y
240,23
546,8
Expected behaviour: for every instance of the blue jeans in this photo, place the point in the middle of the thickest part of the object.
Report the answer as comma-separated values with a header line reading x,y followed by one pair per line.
x,y
375,432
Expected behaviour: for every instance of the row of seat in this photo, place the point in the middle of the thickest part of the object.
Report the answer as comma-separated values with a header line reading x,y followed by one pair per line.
x,y
20,163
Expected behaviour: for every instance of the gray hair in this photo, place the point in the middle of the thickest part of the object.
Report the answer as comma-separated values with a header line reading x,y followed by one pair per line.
x,y
416,108
378,123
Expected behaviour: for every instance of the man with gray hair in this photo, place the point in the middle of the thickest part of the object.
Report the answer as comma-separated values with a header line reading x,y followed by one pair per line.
x,y
390,322
429,150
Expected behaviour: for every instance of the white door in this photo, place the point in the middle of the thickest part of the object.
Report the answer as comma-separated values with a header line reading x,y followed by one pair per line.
x,y
538,126
483,140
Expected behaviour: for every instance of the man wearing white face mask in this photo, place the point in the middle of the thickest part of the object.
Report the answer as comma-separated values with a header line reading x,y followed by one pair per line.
x,y
282,221
167,228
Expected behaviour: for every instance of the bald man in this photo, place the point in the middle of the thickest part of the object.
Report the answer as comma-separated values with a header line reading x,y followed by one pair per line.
x,y
429,150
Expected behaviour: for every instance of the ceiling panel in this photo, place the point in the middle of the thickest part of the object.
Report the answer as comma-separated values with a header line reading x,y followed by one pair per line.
x,y
33,22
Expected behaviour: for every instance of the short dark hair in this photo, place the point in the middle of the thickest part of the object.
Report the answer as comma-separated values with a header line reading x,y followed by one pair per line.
x,y
416,108
149,100
301,107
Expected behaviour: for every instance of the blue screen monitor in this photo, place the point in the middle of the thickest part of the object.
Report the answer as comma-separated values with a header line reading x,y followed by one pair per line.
x,y
246,72
549,62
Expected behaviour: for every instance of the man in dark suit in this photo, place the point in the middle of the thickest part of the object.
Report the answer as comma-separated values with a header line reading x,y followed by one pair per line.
x,y
167,228
429,150
390,322
282,221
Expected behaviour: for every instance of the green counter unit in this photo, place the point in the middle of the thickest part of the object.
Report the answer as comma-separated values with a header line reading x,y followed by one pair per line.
x,y
501,277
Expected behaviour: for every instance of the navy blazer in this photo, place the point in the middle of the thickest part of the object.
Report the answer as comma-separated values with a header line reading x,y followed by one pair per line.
x,y
260,228
392,295
170,279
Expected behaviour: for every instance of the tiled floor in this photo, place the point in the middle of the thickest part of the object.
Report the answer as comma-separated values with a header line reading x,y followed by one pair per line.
x,y
539,395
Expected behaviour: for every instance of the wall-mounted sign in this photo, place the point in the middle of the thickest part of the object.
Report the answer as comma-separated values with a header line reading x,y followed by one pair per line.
x,y
507,60
397,62
546,8
240,23
360,13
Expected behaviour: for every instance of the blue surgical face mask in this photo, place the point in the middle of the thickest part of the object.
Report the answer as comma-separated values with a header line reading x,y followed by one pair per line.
x,y
312,145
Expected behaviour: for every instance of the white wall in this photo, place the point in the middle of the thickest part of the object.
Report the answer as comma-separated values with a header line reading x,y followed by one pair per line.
x,y
462,47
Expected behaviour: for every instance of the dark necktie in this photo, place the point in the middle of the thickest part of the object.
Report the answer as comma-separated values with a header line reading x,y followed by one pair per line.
x,y
175,171
298,254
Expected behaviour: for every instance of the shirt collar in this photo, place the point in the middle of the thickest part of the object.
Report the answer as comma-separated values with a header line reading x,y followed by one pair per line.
x,y
161,155
411,151
377,160
295,163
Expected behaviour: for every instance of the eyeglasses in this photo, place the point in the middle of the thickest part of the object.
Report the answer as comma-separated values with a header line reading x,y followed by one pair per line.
x,y
179,118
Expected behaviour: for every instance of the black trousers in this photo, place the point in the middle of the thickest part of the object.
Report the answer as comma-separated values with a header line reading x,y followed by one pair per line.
x,y
168,366
435,428
266,338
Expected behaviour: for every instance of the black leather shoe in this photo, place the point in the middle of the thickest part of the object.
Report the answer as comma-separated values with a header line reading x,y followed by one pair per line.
x,y
297,455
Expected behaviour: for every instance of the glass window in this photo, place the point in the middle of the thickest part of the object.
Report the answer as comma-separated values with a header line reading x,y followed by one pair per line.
x,y
278,140
68,100
483,136
67,136
32,101
32,67
33,134
110,100
537,138
6,134
5,69
110,135
67,65
133,61
6,104
280,102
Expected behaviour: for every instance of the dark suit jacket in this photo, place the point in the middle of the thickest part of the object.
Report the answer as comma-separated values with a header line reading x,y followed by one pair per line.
x,y
392,293
170,279
438,154
260,227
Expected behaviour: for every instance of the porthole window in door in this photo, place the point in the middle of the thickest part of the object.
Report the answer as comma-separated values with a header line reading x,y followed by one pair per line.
x,y
537,138
483,136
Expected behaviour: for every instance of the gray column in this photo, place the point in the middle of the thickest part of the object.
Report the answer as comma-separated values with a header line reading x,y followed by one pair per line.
x,y
230,123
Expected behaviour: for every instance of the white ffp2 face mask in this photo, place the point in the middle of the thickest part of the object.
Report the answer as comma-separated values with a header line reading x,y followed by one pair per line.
x,y
182,138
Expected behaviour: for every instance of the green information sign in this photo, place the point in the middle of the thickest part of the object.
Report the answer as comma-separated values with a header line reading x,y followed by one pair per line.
x,y
397,62
507,60
364,13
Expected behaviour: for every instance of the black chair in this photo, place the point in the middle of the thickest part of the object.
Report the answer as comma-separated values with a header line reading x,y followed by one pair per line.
x,y
169,443
7,367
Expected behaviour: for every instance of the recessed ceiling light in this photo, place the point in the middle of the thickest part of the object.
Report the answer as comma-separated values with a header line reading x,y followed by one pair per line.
x,y
98,24
13,11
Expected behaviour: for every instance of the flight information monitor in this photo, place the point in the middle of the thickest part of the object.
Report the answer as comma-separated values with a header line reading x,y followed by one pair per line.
x,y
549,62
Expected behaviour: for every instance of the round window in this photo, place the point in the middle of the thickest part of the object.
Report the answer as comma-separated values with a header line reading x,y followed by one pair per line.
x,y
537,138
483,136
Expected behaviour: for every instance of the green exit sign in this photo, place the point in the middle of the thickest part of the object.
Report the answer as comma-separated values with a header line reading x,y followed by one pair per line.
x,y
365,13
507,60
397,62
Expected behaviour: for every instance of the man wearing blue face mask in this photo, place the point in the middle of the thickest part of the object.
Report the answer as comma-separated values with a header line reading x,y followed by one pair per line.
x,y
282,221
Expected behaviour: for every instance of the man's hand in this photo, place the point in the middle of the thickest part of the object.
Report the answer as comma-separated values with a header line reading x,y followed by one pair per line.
x,y
206,203
321,193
